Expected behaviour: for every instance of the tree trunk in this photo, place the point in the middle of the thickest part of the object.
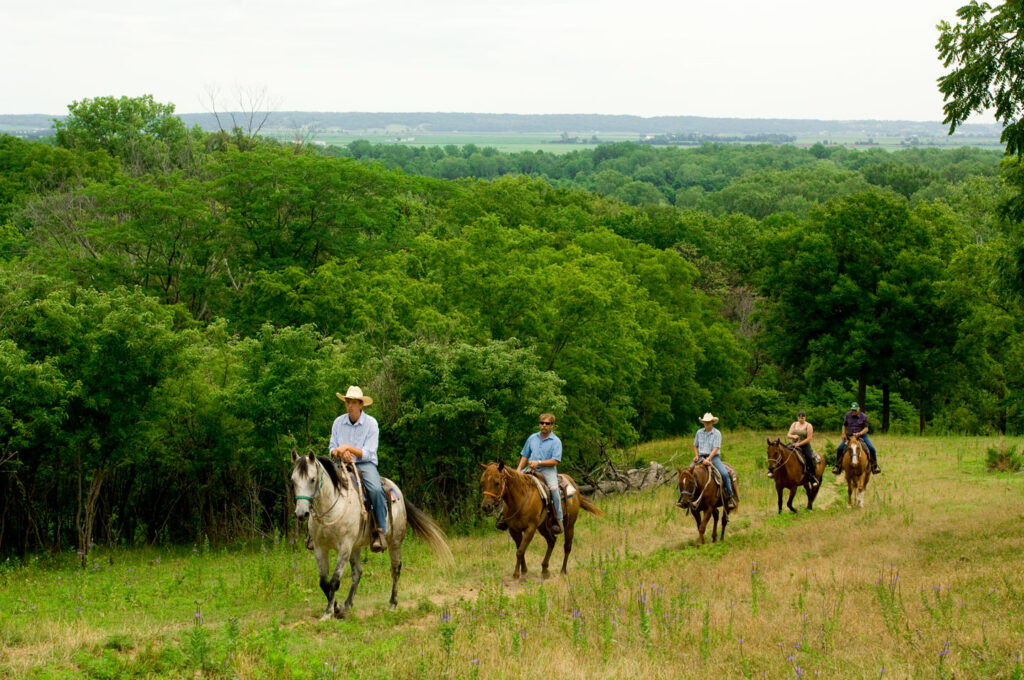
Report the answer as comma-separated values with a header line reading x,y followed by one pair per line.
x,y
885,408
862,387
921,415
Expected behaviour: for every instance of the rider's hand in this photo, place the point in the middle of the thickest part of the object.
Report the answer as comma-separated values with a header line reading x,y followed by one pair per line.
x,y
535,464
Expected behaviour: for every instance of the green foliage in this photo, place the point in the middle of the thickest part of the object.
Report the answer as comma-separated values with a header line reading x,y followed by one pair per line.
x,y
142,133
984,51
1004,459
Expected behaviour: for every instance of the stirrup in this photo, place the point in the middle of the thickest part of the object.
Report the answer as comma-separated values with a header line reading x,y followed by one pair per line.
x,y
309,542
379,542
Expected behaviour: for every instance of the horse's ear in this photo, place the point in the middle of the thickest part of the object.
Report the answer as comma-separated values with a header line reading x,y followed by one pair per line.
x,y
312,456
768,439
483,465
295,455
501,465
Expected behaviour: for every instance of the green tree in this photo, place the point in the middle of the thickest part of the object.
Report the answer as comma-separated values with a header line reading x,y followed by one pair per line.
x,y
143,134
984,51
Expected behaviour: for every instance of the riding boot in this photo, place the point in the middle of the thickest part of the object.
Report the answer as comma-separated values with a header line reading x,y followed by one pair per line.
x,y
838,467
556,525
309,542
875,470
379,543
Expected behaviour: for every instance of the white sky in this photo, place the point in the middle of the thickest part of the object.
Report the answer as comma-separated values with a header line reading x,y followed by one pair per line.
x,y
830,59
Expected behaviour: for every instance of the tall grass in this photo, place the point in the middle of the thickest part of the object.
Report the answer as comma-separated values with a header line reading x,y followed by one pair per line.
x,y
924,581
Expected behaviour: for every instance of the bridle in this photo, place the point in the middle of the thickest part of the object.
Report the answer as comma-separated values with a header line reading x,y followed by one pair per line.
x,y
500,496
314,513
778,463
696,500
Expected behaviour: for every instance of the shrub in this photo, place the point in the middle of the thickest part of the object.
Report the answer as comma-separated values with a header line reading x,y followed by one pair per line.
x,y
1004,459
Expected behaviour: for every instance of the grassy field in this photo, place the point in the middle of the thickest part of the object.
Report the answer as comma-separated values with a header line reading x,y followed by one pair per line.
x,y
924,582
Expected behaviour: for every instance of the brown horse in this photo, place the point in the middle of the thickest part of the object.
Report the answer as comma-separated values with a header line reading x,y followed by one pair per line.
x,y
857,470
788,472
699,495
525,512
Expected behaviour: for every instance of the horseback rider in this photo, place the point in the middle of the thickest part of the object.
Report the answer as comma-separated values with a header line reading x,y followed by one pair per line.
x,y
855,423
800,434
707,444
542,452
354,438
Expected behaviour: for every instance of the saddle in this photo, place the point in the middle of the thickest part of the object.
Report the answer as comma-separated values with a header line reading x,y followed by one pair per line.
x,y
717,476
390,490
800,456
565,487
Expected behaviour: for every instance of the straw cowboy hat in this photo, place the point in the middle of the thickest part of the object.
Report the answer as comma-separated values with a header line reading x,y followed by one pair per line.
x,y
707,417
354,393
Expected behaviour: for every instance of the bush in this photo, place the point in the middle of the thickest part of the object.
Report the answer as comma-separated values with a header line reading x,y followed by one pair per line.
x,y
1004,459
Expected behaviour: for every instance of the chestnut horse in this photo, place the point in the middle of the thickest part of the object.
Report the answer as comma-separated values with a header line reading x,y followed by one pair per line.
x,y
788,472
699,495
857,470
525,512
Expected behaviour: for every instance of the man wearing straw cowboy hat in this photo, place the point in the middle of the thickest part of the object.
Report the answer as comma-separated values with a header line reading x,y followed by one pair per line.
x,y
354,439
707,445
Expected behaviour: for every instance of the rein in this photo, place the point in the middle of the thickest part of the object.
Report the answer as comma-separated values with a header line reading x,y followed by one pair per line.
x,y
696,500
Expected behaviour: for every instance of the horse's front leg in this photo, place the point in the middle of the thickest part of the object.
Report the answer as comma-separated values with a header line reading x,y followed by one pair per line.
x,y
517,537
778,491
792,495
356,563
327,584
523,545
705,517
714,525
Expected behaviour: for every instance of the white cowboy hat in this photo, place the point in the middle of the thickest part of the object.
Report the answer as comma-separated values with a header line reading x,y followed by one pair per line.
x,y
354,393
707,417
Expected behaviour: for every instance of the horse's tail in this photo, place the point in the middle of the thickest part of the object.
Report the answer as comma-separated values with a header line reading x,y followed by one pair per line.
x,y
589,506
429,531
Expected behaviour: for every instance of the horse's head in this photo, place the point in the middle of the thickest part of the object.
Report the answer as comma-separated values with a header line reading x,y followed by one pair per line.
x,y
307,481
492,485
776,450
854,444
687,484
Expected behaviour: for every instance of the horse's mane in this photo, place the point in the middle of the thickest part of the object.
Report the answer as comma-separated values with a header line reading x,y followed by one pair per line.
x,y
517,481
332,471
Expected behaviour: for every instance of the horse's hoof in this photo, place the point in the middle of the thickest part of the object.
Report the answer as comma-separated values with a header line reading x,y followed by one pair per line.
x,y
325,617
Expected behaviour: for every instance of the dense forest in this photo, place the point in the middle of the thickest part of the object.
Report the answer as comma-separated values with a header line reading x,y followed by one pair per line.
x,y
178,308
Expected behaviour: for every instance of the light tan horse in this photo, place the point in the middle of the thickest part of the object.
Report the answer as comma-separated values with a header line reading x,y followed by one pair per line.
x,y
526,513
337,521
857,470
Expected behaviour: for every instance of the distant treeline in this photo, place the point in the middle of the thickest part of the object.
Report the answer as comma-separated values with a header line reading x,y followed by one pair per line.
x,y
557,123
755,180
178,308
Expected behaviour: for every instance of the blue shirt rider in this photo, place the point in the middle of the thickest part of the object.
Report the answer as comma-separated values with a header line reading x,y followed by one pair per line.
x,y
707,445
542,452
354,438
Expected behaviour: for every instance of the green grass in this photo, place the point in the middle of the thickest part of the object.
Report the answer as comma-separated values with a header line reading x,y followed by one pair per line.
x,y
924,581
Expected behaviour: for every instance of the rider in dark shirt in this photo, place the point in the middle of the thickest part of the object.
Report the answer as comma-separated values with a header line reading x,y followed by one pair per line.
x,y
855,423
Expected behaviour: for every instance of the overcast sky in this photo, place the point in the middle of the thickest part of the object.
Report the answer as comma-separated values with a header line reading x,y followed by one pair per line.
x,y
872,59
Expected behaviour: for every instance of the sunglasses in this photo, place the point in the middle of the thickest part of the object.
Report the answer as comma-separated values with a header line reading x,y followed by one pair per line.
x,y
545,423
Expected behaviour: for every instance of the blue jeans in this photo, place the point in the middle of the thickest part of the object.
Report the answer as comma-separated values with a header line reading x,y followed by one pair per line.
x,y
720,466
371,482
550,475
867,442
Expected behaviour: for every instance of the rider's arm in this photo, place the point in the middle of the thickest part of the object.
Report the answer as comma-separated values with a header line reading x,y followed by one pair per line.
x,y
522,461
791,434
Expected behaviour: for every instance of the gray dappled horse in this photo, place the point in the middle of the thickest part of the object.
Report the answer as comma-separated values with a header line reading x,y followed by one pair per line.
x,y
338,521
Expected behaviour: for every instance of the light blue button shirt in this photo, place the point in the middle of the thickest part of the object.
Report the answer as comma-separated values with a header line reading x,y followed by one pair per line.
x,y
542,449
706,442
362,434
